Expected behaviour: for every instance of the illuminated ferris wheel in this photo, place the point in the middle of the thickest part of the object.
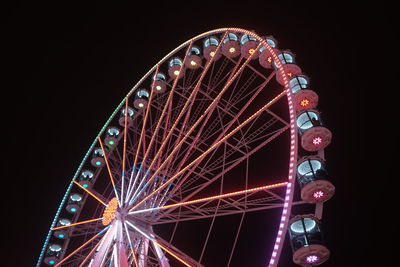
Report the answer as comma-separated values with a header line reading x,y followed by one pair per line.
x,y
220,128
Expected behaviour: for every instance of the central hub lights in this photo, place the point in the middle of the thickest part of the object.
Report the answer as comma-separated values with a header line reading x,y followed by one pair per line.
x,y
110,211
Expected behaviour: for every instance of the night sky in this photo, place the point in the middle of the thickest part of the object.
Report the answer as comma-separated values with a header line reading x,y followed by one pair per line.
x,y
68,67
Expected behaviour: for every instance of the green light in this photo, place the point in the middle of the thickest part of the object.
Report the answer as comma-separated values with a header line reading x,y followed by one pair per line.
x,y
111,142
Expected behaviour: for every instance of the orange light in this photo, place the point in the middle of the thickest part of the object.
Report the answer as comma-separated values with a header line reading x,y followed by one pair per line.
x,y
90,193
212,54
251,51
73,224
255,189
110,211
232,50
76,250
269,59
305,102
172,254
289,74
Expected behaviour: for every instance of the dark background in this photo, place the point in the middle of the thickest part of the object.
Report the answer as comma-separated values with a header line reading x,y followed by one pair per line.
x,y
68,66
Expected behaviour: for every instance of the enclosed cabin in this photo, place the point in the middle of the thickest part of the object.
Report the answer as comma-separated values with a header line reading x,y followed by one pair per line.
x,y
160,83
210,46
63,232
265,56
175,68
126,114
307,241
193,60
288,63
141,99
53,254
97,157
313,180
231,46
74,203
314,136
303,97
111,138
86,179
249,46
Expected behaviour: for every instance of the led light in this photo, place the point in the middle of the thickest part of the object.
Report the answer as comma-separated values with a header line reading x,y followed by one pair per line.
x,y
318,194
52,262
111,142
73,209
212,54
141,104
193,63
317,140
312,259
98,163
85,185
110,211
269,59
251,51
158,88
232,50
305,102
61,236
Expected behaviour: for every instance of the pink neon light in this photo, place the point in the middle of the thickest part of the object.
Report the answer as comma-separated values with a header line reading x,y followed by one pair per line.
x,y
317,141
312,259
318,194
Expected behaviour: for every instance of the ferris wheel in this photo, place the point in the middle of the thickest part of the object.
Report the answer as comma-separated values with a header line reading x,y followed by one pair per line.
x,y
222,127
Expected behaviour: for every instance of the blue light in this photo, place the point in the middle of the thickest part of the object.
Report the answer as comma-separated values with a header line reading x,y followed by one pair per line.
x,y
73,209
98,163
52,262
85,185
61,236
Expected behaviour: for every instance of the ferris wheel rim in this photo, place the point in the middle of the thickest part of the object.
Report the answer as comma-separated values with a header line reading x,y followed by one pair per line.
x,y
293,139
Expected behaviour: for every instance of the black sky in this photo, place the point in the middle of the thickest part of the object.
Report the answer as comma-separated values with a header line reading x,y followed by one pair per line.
x,y
68,67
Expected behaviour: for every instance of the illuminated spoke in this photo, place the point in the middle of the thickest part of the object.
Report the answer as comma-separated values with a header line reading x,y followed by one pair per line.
x,y
109,170
151,237
91,252
130,245
252,190
124,149
141,138
90,193
78,223
82,246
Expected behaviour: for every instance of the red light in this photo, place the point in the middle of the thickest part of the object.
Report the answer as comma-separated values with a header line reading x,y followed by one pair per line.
x,y
317,141
318,194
